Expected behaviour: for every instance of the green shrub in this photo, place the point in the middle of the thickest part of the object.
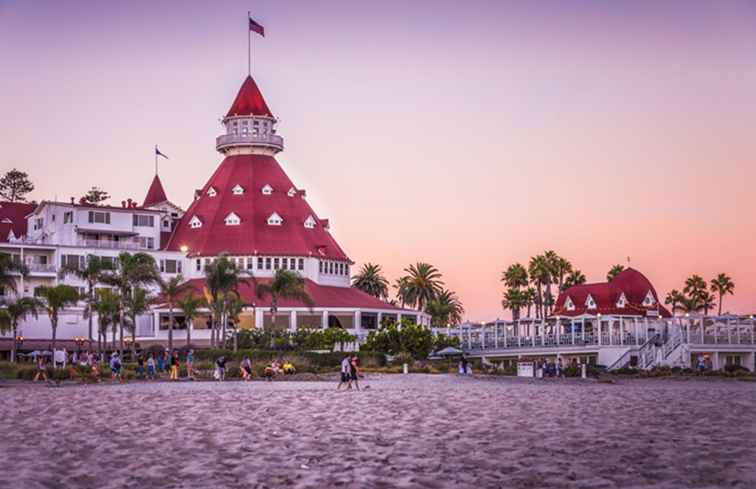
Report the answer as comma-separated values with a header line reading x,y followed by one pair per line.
x,y
410,337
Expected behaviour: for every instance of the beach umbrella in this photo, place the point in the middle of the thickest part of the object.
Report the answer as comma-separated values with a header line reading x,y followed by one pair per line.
x,y
449,351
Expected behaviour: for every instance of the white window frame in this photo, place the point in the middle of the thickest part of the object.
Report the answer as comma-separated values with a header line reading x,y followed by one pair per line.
x,y
649,300
622,301
267,189
292,192
237,190
232,219
310,222
590,302
211,192
275,219
195,222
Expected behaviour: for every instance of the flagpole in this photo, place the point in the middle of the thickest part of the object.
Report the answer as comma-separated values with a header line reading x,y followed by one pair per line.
x,y
249,45
156,172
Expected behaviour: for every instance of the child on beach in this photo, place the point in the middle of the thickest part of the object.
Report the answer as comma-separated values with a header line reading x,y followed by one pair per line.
x,y
160,365
175,361
190,365
346,378
41,369
140,366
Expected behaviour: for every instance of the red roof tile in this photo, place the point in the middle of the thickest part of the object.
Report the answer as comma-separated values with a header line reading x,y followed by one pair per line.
x,y
13,218
155,194
254,235
249,101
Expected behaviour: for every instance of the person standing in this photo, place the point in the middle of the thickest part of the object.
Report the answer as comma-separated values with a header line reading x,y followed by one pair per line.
x,y
190,365
220,368
346,377
140,366
115,368
41,369
354,372
160,365
151,373
246,369
175,362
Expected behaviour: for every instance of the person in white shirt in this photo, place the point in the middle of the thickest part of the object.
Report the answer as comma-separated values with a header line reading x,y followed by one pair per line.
x,y
346,377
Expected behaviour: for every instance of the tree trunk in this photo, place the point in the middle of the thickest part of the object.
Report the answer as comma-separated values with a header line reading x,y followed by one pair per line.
x,y
720,305
121,316
272,328
188,332
13,346
133,340
91,301
54,325
170,326
115,330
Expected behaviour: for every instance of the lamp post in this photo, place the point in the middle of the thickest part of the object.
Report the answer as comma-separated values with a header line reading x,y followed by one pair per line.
x,y
19,342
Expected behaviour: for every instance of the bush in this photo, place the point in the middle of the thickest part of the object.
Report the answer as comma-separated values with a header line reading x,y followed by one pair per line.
x,y
408,337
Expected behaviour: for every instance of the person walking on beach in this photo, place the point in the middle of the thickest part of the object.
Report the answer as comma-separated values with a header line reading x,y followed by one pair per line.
x,y
41,369
463,367
246,369
346,375
140,366
220,368
115,368
190,365
166,361
160,365
151,367
175,363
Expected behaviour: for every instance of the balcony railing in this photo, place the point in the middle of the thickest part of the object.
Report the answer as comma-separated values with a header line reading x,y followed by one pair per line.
x,y
110,244
40,268
271,140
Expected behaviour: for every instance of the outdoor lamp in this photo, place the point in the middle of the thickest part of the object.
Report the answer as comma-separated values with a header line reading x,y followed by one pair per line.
x,y
184,248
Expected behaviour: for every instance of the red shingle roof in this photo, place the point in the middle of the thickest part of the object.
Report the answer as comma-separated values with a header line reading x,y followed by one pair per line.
x,y
322,296
155,194
249,101
13,218
253,235
630,282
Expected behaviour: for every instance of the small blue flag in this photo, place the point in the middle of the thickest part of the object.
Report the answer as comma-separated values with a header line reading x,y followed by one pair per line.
x,y
158,153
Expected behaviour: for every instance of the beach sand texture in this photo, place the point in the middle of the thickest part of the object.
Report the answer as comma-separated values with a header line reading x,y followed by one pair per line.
x,y
416,431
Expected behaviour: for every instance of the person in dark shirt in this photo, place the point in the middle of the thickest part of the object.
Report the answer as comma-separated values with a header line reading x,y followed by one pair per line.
x,y
220,368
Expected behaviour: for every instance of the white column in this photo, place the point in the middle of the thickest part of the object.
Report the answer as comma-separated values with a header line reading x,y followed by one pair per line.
x,y
582,329
496,334
598,322
357,321
703,336
753,326
505,336
610,325
293,321
558,331
543,331
259,318
635,332
380,318
398,318
687,331
324,320
729,332
483,336
572,330
21,276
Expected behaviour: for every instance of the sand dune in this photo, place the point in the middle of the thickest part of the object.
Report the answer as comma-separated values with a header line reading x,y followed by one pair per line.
x,y
414,432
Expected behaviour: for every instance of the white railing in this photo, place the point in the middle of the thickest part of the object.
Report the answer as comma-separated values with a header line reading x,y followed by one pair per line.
x,y
40,268
110,244
272,140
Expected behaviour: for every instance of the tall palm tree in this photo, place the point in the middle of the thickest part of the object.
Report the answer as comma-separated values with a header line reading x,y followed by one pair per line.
x,y
137,303
514,300
695,286
132,271
370,279
91,274
13,313
561,269
614,271
234,308
722,285
707,301
575,277
422,285
402,291
190,306
286,284
55,299
107,305
675,299
515,276
170,291
445,309
221,278
539,270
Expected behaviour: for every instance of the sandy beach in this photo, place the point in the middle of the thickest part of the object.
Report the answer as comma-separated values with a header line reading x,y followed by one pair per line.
x,y
412,431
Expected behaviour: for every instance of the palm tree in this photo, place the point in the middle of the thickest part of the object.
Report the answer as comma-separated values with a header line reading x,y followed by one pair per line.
x,y
561,269
707,301
445,309
402,293
370,279
675,299
132,271
514,300
107,305
8,270
286,284
515,276
540,274
614,271
190,306
55,299
137,303
695,286
529,297
575,277
170,290
13,313
722,285
234,308
422,285
221,277
91,274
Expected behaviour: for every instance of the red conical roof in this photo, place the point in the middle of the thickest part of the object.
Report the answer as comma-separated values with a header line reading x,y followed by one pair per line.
x,y
253,235
155,194
249,101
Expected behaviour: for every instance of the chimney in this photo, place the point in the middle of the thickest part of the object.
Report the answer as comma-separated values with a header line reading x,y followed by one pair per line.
x,y
129,201
73,200
123,204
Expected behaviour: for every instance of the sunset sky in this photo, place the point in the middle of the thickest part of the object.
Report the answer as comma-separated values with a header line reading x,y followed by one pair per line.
x,y
470,135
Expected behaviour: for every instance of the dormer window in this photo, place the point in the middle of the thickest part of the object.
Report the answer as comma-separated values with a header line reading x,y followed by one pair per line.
x,y
649,300
275,220
292,192
622,301
590,303
232,219
569,305
267,189
237,190
211,192
309,222
195,222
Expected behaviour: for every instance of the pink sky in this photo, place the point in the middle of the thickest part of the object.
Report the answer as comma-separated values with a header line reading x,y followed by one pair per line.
x,y
467,134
